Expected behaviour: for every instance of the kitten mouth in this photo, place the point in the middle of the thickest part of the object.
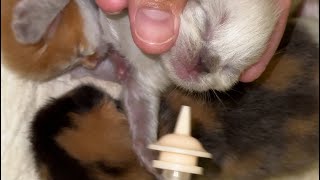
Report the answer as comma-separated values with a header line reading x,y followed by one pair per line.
x,y
190,71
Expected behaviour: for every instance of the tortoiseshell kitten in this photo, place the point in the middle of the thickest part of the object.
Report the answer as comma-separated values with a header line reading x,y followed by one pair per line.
x,y
262,129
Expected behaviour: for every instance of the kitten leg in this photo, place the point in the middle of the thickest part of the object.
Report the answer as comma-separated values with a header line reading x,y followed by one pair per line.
x,y
140,104
142,112
31,18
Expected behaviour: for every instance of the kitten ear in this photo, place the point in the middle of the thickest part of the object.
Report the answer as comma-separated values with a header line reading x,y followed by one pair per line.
x,y
32,18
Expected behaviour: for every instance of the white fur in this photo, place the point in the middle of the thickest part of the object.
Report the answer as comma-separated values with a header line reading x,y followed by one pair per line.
x,y
237,34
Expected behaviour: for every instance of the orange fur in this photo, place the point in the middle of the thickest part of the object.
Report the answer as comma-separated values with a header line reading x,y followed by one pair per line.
x,y
102,135
282,70
50,56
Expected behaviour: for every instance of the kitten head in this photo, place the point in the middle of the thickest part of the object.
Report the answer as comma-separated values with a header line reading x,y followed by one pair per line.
x,y
218,40
39,44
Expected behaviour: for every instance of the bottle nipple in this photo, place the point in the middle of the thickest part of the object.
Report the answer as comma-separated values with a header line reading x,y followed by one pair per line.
x,y
179,152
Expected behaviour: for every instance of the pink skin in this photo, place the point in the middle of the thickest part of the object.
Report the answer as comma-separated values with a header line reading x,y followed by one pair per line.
x,y
157,38
112,6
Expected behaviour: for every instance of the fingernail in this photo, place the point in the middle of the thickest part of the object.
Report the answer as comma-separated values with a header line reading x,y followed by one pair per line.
x,y
154,26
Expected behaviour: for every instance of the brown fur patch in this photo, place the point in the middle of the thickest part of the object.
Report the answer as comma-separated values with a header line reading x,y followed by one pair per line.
x,y
280,72
202,113
296,154
235,166
102,135
301,127
301,132
96,137
48,57
44,173
298,158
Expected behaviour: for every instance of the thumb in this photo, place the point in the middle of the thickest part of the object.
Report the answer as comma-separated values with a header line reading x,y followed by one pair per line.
x,y
155,23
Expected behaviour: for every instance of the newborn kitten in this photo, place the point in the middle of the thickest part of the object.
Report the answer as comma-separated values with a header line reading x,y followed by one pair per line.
x,y
268,128
84,135
217,41
67,40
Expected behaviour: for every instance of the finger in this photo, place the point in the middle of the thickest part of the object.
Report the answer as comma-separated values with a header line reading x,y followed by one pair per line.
x,y
155,23
112,6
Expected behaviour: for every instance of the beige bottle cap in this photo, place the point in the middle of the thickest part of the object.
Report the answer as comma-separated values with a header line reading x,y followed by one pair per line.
x,y
180,151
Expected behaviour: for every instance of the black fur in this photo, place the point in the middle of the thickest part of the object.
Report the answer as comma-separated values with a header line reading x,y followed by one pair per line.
x,y
48,123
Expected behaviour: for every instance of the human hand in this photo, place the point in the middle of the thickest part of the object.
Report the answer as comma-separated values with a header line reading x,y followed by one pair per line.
x,y
154,23
155,27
